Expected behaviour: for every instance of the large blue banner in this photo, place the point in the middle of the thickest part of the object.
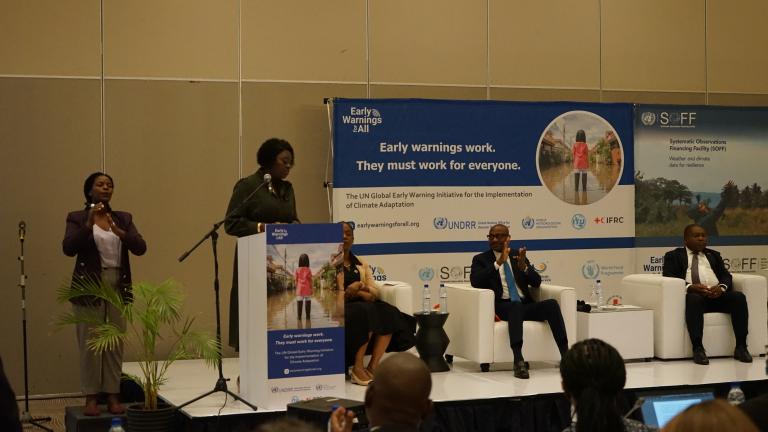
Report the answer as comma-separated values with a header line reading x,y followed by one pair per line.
x,y
424,180
400,142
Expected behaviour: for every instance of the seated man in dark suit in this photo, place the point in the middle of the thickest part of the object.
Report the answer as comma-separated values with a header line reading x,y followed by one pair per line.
x,y
511,278
709,289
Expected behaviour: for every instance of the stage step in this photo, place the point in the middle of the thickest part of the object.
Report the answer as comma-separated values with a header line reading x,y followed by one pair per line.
x,y
75,421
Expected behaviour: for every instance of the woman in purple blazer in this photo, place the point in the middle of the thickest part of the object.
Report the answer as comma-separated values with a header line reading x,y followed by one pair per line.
x,y
101,239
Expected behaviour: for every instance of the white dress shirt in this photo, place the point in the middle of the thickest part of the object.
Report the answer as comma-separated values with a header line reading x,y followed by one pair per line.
x,y
707,276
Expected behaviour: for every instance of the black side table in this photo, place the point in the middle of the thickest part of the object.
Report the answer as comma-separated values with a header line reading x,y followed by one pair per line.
x,y
431,340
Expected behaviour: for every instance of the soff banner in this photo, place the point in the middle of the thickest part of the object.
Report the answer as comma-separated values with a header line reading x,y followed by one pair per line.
x,y
704,165
424,180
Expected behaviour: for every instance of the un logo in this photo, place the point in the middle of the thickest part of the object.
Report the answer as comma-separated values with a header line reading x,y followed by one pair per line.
x,y
440,222
578,221
648,118
590,270
426,274
528,222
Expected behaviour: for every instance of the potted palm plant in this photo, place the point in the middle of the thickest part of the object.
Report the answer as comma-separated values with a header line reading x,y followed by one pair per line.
x,y
154,314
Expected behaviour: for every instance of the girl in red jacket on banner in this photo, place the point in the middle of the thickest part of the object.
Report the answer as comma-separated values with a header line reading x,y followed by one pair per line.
x,y
580,160
304,286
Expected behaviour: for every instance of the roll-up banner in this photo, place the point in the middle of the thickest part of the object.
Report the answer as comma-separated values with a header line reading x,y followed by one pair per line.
x,y
704,165
424,180
291,314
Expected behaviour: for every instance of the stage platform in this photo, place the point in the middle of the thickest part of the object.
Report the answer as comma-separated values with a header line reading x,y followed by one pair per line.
x,y
464,385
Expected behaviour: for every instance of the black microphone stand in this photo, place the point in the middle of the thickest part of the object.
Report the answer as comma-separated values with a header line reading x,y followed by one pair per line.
x,y
26,417
221,383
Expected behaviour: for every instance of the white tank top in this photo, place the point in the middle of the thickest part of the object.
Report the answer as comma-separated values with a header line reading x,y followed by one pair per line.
x,y
108,244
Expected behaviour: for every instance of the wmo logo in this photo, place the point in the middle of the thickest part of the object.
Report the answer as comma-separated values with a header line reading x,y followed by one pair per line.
x,y
578,221
528,222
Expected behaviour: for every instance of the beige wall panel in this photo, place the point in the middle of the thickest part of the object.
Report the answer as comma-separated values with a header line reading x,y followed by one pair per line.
x,y
533,94
294,112
299,40
760,100
427,92
171,38
50,37
172,149
654,45
737,44
654,97
547,43
48,145
428,41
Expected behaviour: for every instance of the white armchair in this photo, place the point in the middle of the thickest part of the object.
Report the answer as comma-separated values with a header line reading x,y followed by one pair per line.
x,y
398,294
666,297
476,337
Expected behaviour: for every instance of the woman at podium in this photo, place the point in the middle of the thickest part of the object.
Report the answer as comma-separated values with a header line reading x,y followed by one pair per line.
x,y
270,199
101,238
370,325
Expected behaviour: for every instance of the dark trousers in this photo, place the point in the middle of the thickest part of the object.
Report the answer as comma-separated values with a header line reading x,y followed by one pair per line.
x,y
514,313
732,302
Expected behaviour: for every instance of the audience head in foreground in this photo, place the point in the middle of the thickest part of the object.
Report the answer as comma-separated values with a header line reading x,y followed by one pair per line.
x,y
711,416
593,377
287,424
397,400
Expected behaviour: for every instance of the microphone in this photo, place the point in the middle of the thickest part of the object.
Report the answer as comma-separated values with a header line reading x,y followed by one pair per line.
x,y
22,230
268,181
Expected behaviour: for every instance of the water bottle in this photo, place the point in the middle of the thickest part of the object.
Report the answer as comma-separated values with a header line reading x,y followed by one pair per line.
x,y
735,395
117,425
426,305
599,293
443,298
593,295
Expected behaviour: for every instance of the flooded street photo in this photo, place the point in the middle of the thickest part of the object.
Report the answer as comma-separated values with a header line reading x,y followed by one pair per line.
x,y
580,158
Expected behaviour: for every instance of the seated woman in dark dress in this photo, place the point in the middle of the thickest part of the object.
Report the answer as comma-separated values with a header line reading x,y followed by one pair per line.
x,y
370,324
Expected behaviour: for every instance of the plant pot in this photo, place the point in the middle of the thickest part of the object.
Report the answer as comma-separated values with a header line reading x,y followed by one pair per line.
x,y
142,420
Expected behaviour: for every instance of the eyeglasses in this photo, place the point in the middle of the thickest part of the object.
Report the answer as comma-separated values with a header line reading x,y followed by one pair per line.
x,y
498,236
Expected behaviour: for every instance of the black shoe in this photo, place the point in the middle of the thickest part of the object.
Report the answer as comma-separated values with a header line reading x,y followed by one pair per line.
x,y
521,370
700,356
741,354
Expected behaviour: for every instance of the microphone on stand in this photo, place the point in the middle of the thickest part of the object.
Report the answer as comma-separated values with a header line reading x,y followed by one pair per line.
x,y
268,181
22,230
